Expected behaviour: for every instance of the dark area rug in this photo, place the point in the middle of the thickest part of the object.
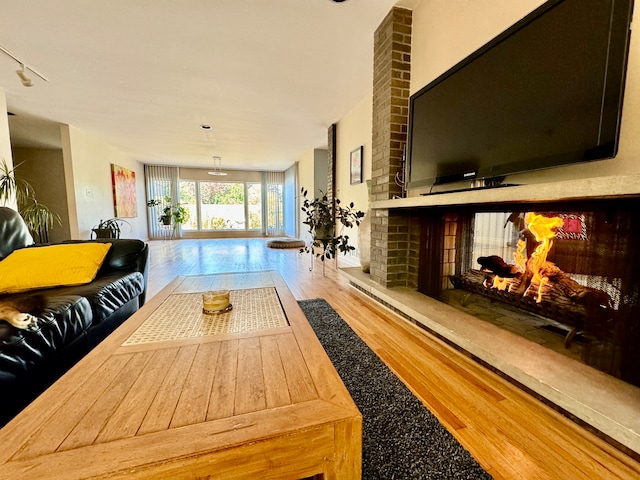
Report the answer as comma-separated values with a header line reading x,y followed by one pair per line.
x,y
401,438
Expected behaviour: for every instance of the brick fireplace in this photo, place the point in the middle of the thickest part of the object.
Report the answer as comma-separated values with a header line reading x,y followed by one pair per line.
x,y
434,234
592,375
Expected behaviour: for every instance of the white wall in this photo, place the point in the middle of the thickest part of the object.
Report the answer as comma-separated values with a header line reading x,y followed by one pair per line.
x,y
320,172
88,162
185,173
353,131
305,176
445,32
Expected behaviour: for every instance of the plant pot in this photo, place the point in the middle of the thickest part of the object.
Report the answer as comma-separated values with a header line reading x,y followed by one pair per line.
x,y
165,220
325,233
103,233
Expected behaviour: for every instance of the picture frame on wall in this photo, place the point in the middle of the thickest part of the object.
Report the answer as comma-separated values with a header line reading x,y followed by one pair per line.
x,y
124,192
355,160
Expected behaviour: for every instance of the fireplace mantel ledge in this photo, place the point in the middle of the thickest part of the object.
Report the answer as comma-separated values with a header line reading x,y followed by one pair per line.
x,y
581,189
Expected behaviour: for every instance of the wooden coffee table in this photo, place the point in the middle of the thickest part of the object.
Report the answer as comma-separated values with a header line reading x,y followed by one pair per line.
x,y
172,394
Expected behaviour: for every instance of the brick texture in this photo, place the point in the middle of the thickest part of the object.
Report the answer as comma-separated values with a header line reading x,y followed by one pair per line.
x,y
394,235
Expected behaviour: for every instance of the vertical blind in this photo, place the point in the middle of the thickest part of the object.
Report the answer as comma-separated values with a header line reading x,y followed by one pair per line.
x,y
161,182
290,201
275,209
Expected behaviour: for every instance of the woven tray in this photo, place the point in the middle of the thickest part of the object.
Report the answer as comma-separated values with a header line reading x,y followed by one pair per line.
x,y
180,316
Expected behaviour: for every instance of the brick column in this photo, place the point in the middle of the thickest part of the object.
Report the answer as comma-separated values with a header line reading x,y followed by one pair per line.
x,y
391,260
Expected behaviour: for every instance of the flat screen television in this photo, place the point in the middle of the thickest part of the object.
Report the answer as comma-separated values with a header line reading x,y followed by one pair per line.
x,y
546,92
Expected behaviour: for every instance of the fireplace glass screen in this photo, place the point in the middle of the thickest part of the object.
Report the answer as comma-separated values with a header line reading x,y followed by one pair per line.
x,y
565,276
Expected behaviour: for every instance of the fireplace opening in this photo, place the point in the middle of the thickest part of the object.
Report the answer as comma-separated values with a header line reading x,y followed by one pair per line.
x,y
563,275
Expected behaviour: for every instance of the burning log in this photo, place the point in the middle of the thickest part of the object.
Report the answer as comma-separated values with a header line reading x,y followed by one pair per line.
x,y
497,265
555,304
587,296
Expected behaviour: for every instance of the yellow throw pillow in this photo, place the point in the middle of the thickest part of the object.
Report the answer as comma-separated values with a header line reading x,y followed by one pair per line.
x,y
51,266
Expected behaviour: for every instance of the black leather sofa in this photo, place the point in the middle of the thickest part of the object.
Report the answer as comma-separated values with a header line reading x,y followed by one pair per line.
x,y
70,320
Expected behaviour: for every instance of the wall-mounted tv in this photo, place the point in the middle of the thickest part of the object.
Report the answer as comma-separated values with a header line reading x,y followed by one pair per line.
x,y
546,92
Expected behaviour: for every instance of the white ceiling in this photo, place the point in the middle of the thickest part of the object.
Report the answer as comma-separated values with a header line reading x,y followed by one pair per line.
x,y
269,75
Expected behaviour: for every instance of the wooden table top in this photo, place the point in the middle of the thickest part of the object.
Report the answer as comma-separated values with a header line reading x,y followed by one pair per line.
x,y
263,401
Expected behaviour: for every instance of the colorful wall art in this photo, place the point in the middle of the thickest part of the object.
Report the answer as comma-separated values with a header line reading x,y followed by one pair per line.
x,y
124,192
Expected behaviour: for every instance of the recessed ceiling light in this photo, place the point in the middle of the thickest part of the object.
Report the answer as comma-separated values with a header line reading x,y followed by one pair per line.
x,y
204,126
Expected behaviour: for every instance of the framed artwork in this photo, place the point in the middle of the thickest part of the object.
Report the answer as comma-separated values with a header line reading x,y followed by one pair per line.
x,y
356,165
124,192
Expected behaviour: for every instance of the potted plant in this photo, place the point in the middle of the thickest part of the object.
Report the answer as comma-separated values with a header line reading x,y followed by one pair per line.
x,y
171,213
38,217
109,228
165,218
180,214
326,220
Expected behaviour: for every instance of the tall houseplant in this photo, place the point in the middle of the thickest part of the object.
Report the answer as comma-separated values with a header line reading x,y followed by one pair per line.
x,y
38,217
326,219
172,213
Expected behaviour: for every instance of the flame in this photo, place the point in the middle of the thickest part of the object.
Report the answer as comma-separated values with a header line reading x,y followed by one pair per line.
x,y
543,230
501,283
520,255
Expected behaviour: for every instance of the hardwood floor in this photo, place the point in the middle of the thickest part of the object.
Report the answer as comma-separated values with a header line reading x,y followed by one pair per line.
x,y
511,434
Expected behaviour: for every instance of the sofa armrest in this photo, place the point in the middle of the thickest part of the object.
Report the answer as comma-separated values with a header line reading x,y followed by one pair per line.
x,y
13,232
126,255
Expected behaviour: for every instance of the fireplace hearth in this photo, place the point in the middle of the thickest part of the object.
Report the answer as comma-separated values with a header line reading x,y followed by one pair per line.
x,y
573,267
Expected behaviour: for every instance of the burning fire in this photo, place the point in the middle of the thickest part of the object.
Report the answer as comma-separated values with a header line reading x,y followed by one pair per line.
x,y
520,257
502,283
543,229
533,276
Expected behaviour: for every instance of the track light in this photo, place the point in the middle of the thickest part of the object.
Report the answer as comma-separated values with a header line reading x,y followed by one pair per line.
x,y
22,73
26,81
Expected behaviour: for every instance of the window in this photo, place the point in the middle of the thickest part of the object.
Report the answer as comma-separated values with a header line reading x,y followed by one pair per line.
x,y
222,206
231,206
254,204
188,199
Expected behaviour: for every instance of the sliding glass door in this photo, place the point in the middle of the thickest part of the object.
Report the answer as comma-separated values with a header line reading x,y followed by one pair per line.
x,y
222,206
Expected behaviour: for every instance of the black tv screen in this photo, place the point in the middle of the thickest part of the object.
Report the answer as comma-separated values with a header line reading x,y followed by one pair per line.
x,y
546,92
